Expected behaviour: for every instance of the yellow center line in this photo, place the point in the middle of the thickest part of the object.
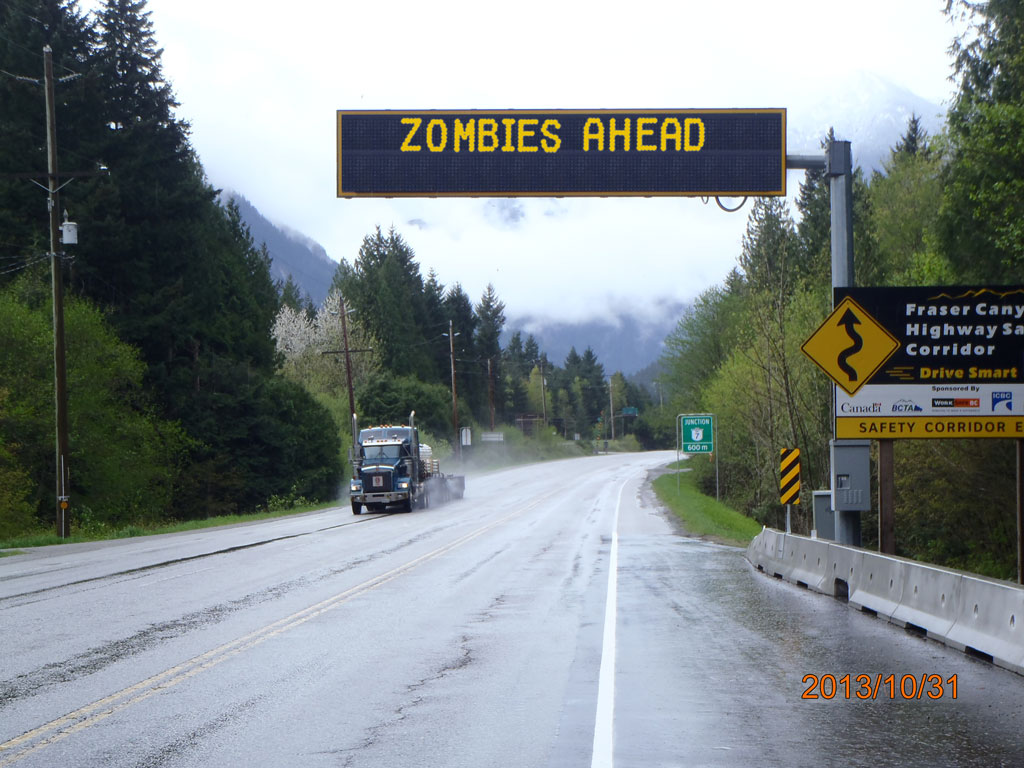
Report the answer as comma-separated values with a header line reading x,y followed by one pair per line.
x,y
89,715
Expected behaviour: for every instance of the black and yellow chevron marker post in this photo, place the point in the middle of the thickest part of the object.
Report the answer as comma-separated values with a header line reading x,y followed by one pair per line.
x,y
789,479
789,474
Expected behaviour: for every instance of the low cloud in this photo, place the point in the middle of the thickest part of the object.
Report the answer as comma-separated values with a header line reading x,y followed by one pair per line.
x,y
505,213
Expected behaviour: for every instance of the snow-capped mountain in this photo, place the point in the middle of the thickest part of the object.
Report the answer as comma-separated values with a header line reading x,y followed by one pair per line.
x,y
868,111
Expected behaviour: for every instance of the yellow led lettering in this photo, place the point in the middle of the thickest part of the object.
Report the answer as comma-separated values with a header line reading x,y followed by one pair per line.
x,y
614,132
524,133
437,146
642,133
671,130
509,123
486,129
465,132
593,129
692,122
551,141
415,122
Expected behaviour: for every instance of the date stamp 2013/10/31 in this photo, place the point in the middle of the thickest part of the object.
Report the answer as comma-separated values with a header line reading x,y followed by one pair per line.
x,y
864,687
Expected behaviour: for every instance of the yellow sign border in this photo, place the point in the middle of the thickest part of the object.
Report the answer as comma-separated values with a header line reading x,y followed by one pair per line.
x,y
781,191
929,427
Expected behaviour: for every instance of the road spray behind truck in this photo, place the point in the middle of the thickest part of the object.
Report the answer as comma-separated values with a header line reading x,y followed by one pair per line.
x,y
390,466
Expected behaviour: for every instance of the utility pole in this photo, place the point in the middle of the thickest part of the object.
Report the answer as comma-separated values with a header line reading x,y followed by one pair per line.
x,y
490,390
56,272
348,364
543,393
347,351
611,408
455,402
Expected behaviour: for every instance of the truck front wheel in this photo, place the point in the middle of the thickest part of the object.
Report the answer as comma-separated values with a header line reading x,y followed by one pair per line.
x,y
357,508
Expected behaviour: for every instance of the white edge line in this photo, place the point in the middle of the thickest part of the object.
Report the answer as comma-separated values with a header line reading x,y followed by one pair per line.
x,y
602,755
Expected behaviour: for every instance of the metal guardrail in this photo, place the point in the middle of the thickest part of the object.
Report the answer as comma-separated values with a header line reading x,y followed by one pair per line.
x,y
973,614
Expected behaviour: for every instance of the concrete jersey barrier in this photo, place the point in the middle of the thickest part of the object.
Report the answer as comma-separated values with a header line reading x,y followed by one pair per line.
x,y
970,613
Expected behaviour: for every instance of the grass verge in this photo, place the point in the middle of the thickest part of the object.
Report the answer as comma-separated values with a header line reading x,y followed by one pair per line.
x,y
103,533
701,515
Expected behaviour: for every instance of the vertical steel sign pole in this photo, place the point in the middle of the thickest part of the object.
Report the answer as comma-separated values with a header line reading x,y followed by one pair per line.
x,y
839,169
679,438
1020,511
714,442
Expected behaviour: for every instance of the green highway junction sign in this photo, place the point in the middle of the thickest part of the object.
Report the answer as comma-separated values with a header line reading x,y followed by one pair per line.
x,y
562,152
697,433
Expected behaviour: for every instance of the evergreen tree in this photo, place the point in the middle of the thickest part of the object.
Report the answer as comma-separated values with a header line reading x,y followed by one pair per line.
x,y
435,322
469,375
914,141
982,217
490,313
180,275
592,386
531,350
292,296
815,228
515,369
769,247
25,27
386,289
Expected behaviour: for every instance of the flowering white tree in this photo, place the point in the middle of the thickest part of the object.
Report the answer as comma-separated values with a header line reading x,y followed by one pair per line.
x,y
313,349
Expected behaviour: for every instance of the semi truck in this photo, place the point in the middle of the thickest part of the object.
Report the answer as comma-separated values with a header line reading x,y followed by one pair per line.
x,y
391,467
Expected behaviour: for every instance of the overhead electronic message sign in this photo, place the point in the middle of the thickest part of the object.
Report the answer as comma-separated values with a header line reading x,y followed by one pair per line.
x,y
554,153
931,362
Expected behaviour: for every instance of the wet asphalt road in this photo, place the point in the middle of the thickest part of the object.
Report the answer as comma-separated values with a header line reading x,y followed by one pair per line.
x,y
473,634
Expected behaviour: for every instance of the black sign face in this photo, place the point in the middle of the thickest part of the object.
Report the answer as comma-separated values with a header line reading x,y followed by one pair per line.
x,y
954,335
512,153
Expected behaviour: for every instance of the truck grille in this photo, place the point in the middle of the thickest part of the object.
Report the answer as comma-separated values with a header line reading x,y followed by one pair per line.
x,y
377,482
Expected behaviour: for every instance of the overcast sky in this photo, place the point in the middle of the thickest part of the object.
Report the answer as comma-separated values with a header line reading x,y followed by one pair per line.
x,y
260,82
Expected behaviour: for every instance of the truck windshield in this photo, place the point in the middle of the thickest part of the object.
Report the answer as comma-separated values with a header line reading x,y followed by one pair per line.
x,y
377,452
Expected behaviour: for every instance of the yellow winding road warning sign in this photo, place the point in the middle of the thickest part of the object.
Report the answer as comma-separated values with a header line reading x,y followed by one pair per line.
x,y
850,346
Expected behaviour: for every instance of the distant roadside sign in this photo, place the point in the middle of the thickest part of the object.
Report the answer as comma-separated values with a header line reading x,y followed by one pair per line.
x,y
698,433
563,152
956,370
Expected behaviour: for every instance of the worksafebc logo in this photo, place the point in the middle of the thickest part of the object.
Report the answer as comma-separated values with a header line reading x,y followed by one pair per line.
x,y
906,406
1002,401
956,402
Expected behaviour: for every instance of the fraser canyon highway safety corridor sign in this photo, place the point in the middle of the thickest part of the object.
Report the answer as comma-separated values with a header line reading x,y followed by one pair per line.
x,y
925,362
566,152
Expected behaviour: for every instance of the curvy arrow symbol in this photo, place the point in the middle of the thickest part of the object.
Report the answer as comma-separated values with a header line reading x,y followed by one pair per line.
x,y
850,320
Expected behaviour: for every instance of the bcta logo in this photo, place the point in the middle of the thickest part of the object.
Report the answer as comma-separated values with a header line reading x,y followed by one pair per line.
x,y
906,406
1002,401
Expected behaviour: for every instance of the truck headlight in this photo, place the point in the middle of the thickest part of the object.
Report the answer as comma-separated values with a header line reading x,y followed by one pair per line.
x,y
355,488
403,485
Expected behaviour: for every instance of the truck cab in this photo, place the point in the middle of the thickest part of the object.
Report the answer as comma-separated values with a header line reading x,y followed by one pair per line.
x,y
385,469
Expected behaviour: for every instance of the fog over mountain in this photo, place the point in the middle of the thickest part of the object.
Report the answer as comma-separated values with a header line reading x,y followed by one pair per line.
x,y
622,341
291,252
